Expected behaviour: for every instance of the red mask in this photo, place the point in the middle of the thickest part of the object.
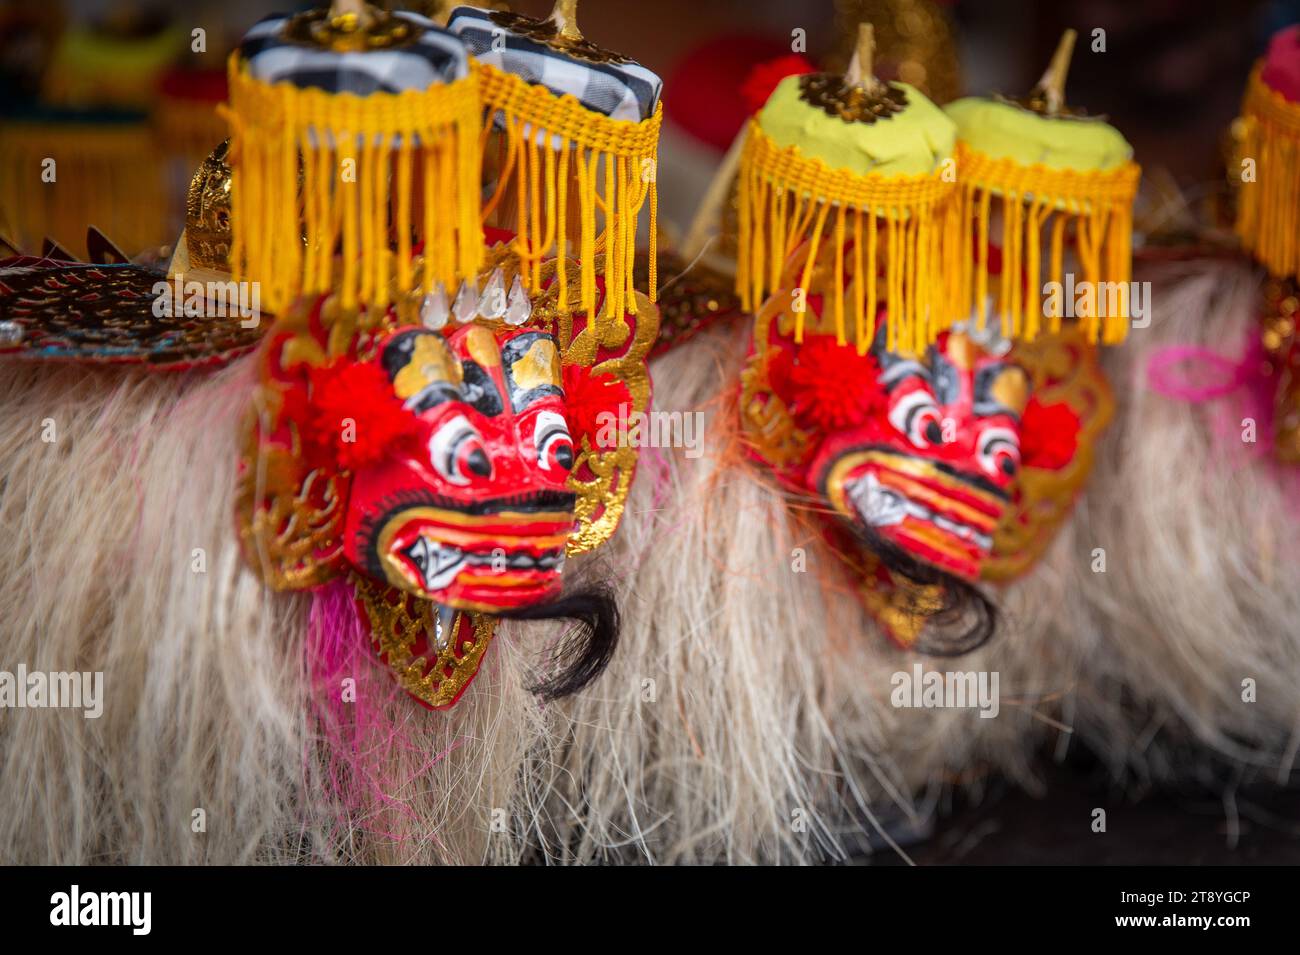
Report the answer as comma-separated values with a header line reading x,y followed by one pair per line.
x,y
929,472
450,468
473,509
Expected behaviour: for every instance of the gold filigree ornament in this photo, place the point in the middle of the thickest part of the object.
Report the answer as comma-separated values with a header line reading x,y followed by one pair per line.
x,y
1062,367
432,659
207,213
770,428
290,515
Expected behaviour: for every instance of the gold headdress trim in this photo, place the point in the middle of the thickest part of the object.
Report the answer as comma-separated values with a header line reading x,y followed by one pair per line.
x,y
789,200
616,154
1268,211
1035,199
285,137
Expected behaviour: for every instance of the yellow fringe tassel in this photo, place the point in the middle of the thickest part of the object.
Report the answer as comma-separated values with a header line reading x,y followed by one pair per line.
x,y
1268,208
552,146
785,202
312,168
1037,205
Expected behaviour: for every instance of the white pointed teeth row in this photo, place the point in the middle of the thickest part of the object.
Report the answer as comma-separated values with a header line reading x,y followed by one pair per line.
x,y
989,338
491,305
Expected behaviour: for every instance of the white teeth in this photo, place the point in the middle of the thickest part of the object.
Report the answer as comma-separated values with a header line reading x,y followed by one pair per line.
x,y
520,308
466,305
880,506
492,303
983,541
433,310
439,563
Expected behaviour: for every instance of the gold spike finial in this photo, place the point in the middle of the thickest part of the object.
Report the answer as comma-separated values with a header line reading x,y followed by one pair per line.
x,y
565,18
861,71
1053,82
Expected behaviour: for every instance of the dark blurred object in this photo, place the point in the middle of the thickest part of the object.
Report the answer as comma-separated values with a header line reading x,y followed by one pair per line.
x,y
29,34
1228,822
914,43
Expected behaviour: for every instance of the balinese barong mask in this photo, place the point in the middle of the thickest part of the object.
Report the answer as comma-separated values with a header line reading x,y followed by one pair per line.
x,y
933,472
446,461
929,471
474,510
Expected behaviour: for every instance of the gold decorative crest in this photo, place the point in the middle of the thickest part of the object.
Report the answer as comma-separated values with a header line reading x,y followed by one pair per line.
x,y
770,429
291,516
1062,367
619,347
433,662
207,213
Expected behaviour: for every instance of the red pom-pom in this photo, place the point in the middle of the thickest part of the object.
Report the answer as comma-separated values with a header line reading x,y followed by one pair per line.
x,y
352,417
1281,70
829,387
587,397
1049,435
764,77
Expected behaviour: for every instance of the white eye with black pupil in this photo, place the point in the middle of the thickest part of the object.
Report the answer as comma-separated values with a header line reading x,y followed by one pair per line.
x,y
551,438
916,416
457,448
999,452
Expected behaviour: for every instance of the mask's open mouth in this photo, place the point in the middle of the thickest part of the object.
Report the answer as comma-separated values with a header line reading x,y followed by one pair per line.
x,y
439,563
936,513
486,561
881,506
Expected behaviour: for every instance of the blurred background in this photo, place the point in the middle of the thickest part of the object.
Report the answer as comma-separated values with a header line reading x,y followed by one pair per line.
x,y
123,92
124,95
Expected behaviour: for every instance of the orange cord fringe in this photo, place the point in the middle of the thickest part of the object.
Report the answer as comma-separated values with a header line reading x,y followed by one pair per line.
x,y
311,168
1268,209
621,156
786,202
1037,206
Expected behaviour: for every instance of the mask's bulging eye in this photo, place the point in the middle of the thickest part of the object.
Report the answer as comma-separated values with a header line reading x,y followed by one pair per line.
x,y
999,452
456,450
551,438
917,417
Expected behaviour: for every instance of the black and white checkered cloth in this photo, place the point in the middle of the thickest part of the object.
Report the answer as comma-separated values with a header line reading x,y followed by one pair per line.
x,y
437,56
625,91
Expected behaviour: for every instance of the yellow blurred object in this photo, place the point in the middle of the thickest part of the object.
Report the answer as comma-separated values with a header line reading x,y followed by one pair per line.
x,y
1268,203
57,178
1049,171
92,69
889,193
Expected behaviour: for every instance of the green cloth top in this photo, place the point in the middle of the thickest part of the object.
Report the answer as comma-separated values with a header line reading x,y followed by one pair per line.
x,y
910,142
1005,131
